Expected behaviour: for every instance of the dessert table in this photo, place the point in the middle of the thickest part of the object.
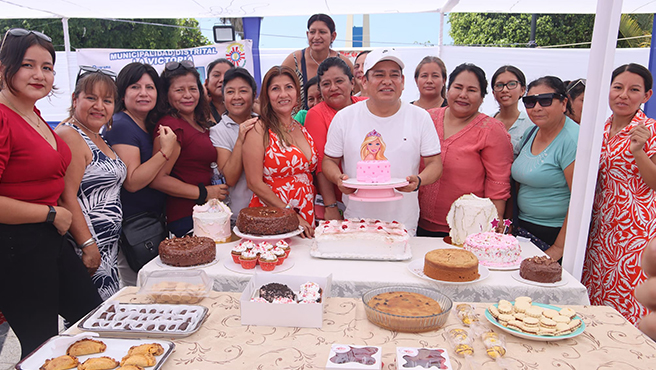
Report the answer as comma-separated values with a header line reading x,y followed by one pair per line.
x,y
351,278
608,342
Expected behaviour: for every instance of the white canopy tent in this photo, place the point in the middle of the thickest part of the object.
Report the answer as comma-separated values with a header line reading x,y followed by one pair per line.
x,y
598,76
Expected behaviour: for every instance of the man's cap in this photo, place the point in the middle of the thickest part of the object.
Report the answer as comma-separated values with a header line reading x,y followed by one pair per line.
x,y
379,55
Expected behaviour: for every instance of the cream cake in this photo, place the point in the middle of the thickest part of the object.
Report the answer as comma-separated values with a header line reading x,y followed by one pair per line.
x,y
494,249
373,171
361,239
212,220
468,215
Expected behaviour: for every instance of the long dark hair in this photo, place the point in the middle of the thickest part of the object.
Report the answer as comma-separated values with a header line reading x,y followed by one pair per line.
x,y
554,83
12,52
267,115
476,70
202,110
131,74
637,69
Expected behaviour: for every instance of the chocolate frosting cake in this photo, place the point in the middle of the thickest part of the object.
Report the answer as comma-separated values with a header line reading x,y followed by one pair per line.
x,y
541,269
272,291
188,251
267,221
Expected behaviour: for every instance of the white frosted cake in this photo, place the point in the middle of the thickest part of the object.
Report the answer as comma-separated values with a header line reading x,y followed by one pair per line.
x,y
494,249
468,215
212,220
361,239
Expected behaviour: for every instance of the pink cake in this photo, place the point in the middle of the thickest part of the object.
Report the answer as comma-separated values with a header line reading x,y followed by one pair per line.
x,y
494,249
373,171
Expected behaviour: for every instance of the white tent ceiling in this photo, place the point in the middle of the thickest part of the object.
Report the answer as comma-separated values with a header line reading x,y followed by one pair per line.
x,y
264,8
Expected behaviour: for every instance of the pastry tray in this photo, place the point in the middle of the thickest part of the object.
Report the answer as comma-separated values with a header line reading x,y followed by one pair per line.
x,y
116,349
144,320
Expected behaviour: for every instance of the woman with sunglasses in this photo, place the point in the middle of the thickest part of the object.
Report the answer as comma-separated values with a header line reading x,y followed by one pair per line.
x,y
476,152
278,153
508,87
94,179
544,167
624,211
40,275
131,138
430,77
576,94
185,177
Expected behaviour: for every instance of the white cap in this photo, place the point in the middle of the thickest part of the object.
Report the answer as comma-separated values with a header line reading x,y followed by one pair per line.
x,y
379,55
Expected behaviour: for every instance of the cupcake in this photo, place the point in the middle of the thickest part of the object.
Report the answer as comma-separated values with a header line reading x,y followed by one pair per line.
x,y
247,244
268,261
280,253
266,245
259,249
284,246
248,259
237,251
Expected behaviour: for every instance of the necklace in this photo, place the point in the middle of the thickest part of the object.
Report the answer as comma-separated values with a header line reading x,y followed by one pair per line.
x,y
76,122
290,128
25,116
315,59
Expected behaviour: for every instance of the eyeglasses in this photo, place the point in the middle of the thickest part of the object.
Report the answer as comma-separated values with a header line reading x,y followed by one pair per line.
x,y
573,85
20,32
545,100
89,69
186,64
512,85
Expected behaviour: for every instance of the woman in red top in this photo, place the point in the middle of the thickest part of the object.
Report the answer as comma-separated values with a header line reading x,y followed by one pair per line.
x,y
185,178
278,153
335,85
40,274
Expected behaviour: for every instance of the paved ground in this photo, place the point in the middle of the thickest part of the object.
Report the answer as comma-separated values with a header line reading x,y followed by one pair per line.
x,y
9,348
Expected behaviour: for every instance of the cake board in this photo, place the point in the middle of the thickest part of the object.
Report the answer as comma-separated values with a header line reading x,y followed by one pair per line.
x,y
375,192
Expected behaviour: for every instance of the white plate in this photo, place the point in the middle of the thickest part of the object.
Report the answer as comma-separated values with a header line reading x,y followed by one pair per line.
x,y
159,262
539,338
417,269
505,268
267,237
515,275
232,266
116,349
352,183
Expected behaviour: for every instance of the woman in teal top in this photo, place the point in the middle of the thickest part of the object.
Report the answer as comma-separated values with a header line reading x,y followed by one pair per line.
x,y
545,165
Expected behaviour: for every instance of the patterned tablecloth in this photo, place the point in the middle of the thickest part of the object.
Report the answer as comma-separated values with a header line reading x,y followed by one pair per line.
x,y
353,278
608,342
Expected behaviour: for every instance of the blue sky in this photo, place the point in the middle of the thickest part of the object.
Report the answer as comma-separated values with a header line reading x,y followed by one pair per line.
x,y
385,30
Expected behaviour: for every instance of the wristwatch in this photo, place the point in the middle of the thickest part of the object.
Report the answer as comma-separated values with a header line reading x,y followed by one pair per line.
x,y
52,212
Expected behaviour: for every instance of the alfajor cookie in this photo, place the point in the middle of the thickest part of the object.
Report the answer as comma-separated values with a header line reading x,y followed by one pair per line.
x,y
574,324
546,322
494,311
524,299
562,329
504,318
534,311
568,312
519,316
531,321
521,306
561,318
548,312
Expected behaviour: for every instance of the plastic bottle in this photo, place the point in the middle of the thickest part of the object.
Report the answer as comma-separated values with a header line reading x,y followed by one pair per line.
x,y
218,179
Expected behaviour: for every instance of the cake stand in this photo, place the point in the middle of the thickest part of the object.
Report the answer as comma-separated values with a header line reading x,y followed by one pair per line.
x,y
268,238
376,192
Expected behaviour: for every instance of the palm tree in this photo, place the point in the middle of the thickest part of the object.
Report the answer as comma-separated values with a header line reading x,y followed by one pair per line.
x,y
634,25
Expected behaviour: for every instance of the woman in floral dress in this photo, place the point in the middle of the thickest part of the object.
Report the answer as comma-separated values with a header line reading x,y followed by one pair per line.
x,y
624,213
279,155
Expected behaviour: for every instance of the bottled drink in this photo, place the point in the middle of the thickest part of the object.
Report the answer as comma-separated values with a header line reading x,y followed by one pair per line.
x,y
218,179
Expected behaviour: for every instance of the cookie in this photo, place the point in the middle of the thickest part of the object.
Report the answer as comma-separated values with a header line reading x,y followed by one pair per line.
x,y
534,311
531,321
568,312
562,319
548,312
546,322
524,299
494,311
521,306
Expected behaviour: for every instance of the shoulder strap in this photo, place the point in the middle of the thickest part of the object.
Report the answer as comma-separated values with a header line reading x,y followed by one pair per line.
x,y
525,139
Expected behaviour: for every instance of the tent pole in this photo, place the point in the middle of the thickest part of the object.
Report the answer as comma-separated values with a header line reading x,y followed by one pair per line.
x,y
600,67
252,32
650,106
69,55
441,38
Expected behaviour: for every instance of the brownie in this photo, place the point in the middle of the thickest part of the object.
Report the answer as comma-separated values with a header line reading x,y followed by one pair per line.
x,y
272,291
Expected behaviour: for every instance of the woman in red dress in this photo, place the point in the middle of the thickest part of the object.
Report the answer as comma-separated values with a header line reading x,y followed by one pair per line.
x,y
279,154
624,213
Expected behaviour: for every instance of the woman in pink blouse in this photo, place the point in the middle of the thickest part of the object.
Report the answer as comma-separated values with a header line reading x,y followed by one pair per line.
x,y
476,152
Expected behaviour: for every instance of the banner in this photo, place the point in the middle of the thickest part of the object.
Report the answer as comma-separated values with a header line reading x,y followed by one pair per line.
x,y
238,52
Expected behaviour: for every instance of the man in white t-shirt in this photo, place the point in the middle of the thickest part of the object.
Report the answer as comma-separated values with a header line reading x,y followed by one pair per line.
x,y
405,132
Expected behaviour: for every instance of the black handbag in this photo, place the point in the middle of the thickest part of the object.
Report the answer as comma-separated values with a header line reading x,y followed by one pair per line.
x,y
140,238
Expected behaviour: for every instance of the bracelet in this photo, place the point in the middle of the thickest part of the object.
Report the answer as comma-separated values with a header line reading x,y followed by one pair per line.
x,y
90,241
333,205
418,183
202,194
164,155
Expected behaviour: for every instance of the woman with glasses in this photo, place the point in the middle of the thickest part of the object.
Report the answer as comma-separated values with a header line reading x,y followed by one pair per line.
x,y
575,94
278,153
131,138
624,211
508,87
216,70
476,152
185,177
94,178
544,167
430,77
40,275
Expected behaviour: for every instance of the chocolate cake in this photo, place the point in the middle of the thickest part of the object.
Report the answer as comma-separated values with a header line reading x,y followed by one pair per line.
x,y
189,251
272,291
541,269
267,221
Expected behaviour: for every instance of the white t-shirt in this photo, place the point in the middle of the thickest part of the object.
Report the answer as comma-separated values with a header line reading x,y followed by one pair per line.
x,y
408,135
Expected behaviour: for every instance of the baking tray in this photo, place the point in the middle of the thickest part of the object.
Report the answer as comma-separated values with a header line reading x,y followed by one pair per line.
x,y
113,331
116,349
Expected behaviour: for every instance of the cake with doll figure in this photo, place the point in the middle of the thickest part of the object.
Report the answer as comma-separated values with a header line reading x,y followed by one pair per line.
x,y
374,167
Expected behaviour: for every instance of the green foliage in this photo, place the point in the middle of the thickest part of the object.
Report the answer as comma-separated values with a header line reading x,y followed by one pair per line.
x,y
494,29
101,33
632,25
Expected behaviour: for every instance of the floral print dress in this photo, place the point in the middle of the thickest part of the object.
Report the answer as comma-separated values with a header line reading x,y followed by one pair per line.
x,y
289,174
623,221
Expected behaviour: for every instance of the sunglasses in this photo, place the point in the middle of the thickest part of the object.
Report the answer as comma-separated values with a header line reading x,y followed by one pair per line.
x,y
186,64
511,85
20,32
89,69
545,100
573,85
